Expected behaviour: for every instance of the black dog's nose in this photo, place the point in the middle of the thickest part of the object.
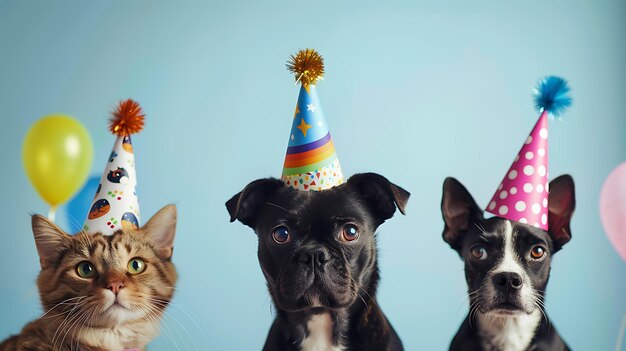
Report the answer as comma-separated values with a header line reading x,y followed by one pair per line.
x,y
317,256
507,281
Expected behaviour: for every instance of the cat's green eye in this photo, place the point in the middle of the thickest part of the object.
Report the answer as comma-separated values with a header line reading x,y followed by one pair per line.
x,y
136,266
85,269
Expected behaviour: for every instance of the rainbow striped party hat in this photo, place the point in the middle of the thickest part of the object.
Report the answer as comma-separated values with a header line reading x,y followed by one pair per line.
x,y
311,163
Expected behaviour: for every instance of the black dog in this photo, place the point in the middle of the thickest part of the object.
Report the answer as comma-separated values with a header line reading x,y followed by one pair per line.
x,y
507,265
318,253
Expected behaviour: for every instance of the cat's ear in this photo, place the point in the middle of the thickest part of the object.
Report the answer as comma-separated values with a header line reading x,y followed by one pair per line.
x,y
160,231
50,240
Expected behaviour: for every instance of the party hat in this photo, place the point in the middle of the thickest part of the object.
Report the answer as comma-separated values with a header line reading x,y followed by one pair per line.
x,y
115,205
523,193
311,163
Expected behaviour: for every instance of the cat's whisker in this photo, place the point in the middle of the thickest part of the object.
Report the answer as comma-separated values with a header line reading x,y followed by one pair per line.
x,y
86,239
189,335
83,322
155,327
155,318
78,317
73,328
59,331
165,332
166,329
188,314
79,327
64,302
75,223
168,315
69,323
69,315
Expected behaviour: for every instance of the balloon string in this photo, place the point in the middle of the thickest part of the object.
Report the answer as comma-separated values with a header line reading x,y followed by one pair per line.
x,y
620,337
52,213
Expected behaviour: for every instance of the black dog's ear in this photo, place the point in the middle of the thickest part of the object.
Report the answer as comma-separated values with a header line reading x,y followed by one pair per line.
x,y
245,205
561,204
459,211
382,195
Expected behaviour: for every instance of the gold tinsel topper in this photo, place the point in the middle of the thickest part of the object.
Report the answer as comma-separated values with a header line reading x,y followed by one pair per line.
x,y
127,118
307,65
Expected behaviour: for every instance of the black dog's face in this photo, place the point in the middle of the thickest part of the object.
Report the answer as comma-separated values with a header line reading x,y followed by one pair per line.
x,y
507,264
317,249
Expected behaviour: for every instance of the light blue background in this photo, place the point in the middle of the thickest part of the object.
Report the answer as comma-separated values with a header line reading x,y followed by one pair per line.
x,y
415,90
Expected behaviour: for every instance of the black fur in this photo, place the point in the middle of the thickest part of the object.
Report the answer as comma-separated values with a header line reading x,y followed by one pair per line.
x,y
466,228
317,271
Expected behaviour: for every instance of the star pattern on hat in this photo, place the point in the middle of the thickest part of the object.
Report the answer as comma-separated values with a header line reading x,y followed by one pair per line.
x,y
304,127
311,162
297,112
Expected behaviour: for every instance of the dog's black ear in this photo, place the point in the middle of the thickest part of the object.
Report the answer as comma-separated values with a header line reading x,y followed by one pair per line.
x,y
459,211
561,204
246,204
382,195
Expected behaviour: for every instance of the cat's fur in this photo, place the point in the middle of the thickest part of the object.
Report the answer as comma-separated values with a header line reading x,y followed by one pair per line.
x,y
87,314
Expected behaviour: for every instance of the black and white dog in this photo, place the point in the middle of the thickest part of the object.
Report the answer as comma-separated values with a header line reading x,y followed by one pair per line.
x,y
507,265
317,251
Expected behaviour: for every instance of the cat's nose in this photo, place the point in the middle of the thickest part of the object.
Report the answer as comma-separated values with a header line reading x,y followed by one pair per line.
x,y
115,286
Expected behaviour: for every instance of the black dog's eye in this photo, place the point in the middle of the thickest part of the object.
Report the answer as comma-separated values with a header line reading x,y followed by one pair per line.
x,y
349,232
281,235
478,252
537,252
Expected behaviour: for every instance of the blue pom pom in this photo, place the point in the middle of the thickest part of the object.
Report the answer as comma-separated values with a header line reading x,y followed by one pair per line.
x,y
551,95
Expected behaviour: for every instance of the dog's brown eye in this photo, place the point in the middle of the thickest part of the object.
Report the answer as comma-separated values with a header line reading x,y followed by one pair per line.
x,y
349,233
537,252
478,252
281,235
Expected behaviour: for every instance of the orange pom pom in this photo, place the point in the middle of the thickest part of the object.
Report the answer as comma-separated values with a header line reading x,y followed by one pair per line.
x,y
127,118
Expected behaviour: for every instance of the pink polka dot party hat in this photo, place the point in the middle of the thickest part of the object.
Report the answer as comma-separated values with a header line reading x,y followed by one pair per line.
x,y
115,205
522,195
311,163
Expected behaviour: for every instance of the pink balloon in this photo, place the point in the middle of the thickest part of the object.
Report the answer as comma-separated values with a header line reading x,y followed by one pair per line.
x,y
613,208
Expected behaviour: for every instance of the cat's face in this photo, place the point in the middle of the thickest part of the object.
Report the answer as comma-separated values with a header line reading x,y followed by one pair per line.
x,y
105,281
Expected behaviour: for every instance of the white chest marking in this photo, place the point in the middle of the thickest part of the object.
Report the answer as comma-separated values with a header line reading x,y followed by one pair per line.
x,y
320,336
500,333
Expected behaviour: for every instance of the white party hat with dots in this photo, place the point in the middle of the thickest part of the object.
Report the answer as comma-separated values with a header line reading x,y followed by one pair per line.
x,y
115,205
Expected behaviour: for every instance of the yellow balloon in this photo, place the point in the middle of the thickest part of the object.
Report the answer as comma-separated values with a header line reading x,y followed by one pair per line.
x,y
57,155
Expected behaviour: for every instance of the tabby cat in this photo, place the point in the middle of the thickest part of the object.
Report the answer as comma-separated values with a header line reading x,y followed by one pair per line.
x,y
101,292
